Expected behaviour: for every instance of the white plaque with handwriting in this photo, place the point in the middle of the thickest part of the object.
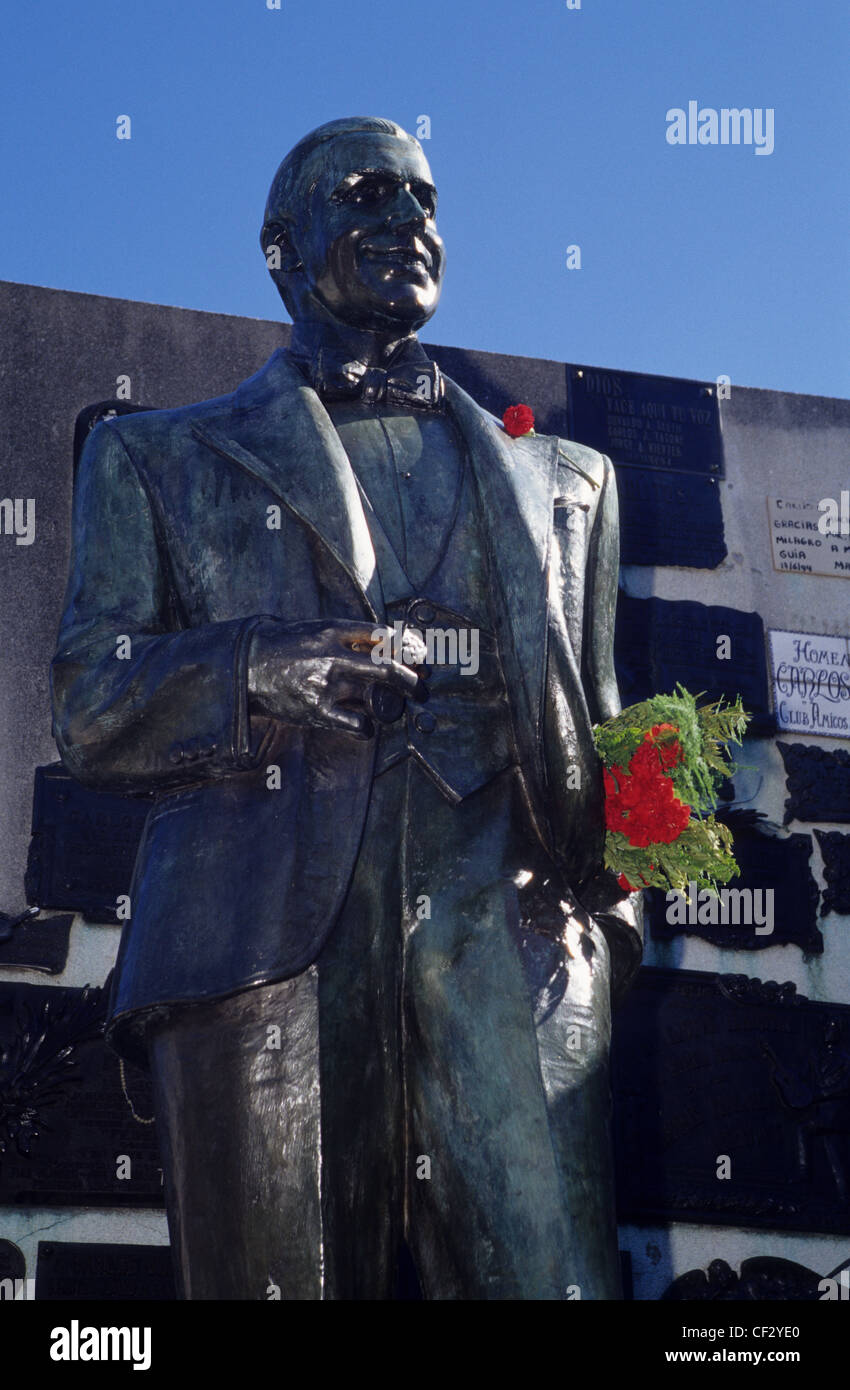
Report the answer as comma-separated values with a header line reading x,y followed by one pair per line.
x,y
800,545
811,683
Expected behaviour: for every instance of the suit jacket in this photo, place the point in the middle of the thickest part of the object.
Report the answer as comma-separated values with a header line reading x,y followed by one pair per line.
x,y
192,525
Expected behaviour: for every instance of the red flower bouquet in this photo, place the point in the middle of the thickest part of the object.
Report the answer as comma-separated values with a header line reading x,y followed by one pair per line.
x,y
662,761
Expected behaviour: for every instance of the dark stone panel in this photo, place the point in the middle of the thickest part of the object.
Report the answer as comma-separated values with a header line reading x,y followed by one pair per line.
x,y
37,943
83,845
818,783
660,641
835,849
653,422
708,1065
669,519
76,1270
64,1120
766,862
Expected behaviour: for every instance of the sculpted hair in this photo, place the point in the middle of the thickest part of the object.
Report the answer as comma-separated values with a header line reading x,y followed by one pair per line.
x,y
287,190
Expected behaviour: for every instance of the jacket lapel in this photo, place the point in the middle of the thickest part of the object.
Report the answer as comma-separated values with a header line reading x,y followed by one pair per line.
x,y
281,434
516,485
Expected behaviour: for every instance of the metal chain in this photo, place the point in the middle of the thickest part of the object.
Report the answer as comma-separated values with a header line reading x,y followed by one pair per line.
x,y
140,1118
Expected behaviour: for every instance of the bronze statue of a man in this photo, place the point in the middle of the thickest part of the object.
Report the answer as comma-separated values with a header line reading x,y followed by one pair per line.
x,y
371,949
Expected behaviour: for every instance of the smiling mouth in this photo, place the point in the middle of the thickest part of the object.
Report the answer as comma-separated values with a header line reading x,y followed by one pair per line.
x,y
409,257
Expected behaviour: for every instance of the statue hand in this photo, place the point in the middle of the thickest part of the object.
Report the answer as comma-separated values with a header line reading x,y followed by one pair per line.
x,y
321,675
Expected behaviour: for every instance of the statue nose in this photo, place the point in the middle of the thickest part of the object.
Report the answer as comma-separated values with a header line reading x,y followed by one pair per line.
x,y
407,208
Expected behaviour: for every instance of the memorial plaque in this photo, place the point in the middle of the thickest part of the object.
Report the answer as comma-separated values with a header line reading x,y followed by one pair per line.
x,y
669,518
83,845
767,863
38,943
649,421
731,1104
65,1122
663,435
798,544
766,1277
75,1270
660,641
818,781
835,849
811,683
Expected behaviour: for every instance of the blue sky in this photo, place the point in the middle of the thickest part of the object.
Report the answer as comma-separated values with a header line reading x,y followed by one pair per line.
x,y
548,129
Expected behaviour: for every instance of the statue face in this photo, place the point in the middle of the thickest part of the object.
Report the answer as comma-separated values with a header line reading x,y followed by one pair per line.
x,y
370,246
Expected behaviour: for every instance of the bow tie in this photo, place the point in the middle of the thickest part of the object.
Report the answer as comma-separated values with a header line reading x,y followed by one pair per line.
x,y
415,383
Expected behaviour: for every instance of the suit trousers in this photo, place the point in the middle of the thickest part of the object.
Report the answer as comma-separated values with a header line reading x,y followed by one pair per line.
x,y
435,1085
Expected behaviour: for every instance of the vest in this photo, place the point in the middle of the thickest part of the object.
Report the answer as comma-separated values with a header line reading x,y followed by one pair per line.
x,y
419,498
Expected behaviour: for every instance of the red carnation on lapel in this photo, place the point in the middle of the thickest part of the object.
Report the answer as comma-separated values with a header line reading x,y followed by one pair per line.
x,y
518,420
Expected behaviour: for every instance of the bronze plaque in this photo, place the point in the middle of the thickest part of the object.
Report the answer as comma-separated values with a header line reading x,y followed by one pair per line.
x,y
732,1104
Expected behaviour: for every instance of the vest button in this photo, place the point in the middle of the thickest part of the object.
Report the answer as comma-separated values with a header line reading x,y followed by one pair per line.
x,y
422,611
386,704
424,722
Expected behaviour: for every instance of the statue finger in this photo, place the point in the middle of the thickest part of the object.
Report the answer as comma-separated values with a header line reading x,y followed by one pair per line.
x,y
356,722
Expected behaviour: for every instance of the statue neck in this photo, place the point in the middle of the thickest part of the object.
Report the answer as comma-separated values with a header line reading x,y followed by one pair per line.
x,y
343,343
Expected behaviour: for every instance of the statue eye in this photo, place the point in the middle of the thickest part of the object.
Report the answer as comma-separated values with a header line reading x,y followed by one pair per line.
x,y
369,191
426,198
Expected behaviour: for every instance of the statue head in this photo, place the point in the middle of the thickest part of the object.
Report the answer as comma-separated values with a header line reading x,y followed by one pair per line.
x,y
349,231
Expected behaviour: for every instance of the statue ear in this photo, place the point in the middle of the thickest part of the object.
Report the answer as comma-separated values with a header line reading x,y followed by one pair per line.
x,y
278,248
